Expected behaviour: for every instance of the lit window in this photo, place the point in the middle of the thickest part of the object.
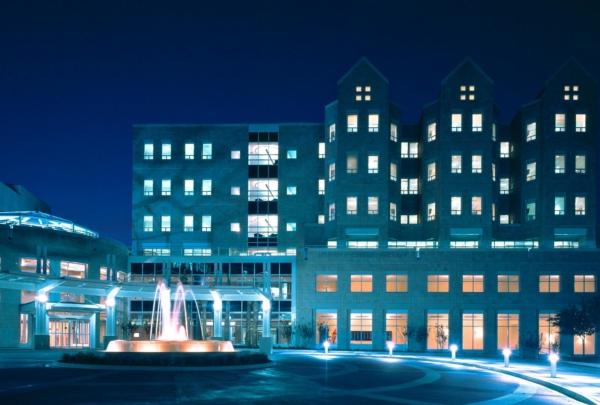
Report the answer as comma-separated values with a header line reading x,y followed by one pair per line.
x,y
531,171
476,205
393,212
585,283
472,283
148,223
352,122
351,164
431,171
148,151
331,132
373,205
431,211
165,187
321,186
361,283
235,227
321,219
321,153
207,187
326,327
431,132
559,123
549,333
326,283
361,328
235,154
290,227
585,344
292,154
467,93
393,172
472,331
331,171
165,223
412,219
476,164
396,283
493,171
508,283
291,190
456,164
531,131
559,205
579,205
393,132
188,223
73,270
396,327
530,211
505,149
456,123
505,219
207,151
508,331
331,212
477,122
549,283
505,185
351,205
438,283
409,150
166,151
571,93
206,223
559,164
580,164
409,186
148,187
373,122
188,187
580,122
437,331
455,205
373,164
189,151
235,190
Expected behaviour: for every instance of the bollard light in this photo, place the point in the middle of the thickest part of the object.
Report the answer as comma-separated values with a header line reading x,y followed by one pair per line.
x,y
506,352
390,345
453,350
326,346
553,357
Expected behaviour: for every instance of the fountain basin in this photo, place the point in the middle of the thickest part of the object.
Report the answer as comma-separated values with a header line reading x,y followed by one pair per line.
x,y
169,346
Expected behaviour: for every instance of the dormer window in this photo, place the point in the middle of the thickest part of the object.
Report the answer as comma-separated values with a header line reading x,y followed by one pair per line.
x,y
467,92
571,92
362,93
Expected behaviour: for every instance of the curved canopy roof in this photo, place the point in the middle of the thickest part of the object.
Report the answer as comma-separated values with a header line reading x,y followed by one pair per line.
x,y
43,220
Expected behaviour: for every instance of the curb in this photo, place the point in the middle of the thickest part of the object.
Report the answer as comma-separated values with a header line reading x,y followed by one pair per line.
x,y
58,364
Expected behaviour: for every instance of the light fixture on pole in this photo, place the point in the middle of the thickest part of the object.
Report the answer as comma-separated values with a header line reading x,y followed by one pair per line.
x,y
506,352
553,357
326,346
390,346
453,350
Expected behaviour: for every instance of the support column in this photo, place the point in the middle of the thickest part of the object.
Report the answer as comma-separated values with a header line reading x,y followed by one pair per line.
x,y
217,316
266,341
41,338
111,316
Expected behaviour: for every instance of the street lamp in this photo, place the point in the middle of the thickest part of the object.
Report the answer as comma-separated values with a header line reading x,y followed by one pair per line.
x,y
506,352
553,357
453,350
390,345
326,346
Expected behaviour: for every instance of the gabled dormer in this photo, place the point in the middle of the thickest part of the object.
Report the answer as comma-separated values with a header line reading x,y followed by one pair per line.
x,y
571,85
363,85
466,84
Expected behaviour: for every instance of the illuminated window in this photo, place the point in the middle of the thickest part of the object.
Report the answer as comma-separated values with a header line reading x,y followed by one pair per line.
x,y
236,154
549,283
166,151
531,131
331,132
393,172
571,93
148,187
73,270
508,331
393,132
456,164
530,171
580,164
559,122
409,150
467,93
580,122
508,283
351,164
438,331
530,213
455,205
206,223
352,123
361,328
361,283
431,211
321,186
396,283
263,153
559,164
438,283
476,205
409,186
326,283
584,345
188,223
291,190
431,132
351,205
321,219
103,273
290,227
505,219
165,223
472,283
331,171
493,171
292,154
206,187
476,164
189,151
472,331
331,211
188,187
321,153
373,122
412,219
505,186
207,151
585,283
373,164
235,190
326,327
23,329
580,205
148,151
431,172
396,328
393,212
559,205
235,227
548,333
148,223
165,187
476,122
373,205
505,149
456,123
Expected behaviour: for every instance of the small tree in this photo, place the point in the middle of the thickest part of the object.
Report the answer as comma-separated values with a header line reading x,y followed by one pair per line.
x,y
577,320
421,335
305,333
323,332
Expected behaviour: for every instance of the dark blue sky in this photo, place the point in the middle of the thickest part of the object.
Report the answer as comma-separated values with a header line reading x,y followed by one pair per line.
x,y
74,78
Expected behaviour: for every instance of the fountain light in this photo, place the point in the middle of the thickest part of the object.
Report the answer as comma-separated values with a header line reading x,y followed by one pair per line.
x,y
553,357
326,346
453,350
506,352
390,346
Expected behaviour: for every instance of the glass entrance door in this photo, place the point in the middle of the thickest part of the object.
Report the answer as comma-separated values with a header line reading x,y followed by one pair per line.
x,y
69,333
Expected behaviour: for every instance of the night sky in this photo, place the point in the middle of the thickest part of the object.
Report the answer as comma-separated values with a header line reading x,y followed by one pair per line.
x,y
74,78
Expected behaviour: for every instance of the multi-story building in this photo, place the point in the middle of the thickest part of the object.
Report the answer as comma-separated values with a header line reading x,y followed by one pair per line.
x,y
365,229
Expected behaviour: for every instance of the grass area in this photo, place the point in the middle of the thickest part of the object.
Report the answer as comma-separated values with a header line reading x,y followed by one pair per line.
x,y
240,358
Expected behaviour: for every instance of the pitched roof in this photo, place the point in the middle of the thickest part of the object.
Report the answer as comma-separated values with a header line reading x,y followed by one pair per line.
x,y
471,62
361,61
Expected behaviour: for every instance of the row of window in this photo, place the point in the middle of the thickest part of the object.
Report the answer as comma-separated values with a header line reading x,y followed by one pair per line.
x,y
188,153
440,283
257,224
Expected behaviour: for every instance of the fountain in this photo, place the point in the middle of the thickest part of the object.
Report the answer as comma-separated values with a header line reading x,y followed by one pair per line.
x,y
169,328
